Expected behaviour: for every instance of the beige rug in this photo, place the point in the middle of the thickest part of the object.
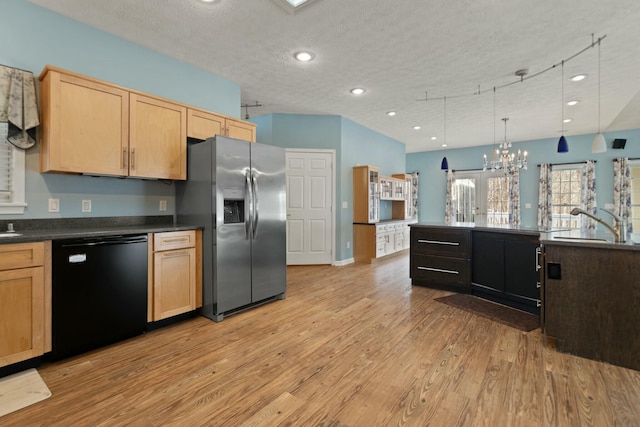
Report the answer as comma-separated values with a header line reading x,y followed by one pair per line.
x,y
20,390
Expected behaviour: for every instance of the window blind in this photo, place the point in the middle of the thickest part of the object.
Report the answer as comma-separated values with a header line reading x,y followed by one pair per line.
x,y
6,166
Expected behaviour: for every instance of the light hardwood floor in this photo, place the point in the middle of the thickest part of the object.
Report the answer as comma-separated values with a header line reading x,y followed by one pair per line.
x,y
349,346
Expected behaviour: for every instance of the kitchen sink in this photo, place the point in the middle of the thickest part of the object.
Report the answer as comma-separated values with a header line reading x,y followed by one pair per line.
x,y
10,234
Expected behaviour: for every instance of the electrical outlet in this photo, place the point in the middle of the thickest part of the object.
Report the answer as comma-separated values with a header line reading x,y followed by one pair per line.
x,y
163,205
527,205
348,245
345,205
86,206
608,206
54,205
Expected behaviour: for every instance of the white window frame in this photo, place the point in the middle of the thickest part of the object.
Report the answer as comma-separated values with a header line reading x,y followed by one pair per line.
x,y
17,171
578,219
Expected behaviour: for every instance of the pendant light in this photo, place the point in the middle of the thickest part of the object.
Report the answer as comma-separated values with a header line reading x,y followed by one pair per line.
x,y
563,147
599,145
445,164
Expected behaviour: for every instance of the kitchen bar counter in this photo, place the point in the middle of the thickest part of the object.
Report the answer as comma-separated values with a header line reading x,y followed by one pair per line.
x,y
63,228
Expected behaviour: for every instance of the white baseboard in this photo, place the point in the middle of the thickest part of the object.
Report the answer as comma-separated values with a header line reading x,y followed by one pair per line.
x,y
344,262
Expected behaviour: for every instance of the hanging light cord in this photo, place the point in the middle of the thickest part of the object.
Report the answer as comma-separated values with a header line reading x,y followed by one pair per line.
x,y
599,85
494,120
562,133
445,120
522,78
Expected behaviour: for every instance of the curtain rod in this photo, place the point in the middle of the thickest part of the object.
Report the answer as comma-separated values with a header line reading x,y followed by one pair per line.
x,y
635,158
16,68
568,163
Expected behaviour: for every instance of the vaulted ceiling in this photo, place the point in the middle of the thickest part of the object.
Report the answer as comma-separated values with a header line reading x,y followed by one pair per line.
x,y
403,52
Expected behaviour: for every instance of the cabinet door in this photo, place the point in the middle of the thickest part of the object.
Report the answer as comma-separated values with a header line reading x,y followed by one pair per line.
x,y
520,273
21,314
158,138
488,261
203,125
399,240
390,242
85,126
241,130
174,289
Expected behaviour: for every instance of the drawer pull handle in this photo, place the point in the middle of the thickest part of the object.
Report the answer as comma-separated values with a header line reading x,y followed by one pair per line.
x,y
538,304
439,270
438,242
175,254
538,285
175,240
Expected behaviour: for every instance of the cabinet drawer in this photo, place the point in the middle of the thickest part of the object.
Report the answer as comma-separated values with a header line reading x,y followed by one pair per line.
x,y
381,228
453,243
436,270
21,255
174,240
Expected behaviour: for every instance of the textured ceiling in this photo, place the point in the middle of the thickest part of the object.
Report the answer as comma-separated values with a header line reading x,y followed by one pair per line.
x,y
398,50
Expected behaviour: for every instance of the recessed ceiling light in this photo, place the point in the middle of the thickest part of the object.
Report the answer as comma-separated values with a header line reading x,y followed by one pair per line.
x,y
207,1
578,77
357,91
391,113
433,138
304,56
444,145
416,127
572,103
567,120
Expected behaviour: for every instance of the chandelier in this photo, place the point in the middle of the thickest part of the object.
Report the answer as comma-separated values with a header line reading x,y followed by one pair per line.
x,y
502,159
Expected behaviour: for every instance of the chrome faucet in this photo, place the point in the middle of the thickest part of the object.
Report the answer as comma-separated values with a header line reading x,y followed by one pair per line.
x,y
618,232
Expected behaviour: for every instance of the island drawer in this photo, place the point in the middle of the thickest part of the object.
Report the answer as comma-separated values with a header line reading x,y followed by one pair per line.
x,y
433,271
444,242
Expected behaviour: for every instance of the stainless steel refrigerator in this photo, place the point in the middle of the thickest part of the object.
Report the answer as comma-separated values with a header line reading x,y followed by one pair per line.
x,y
237,190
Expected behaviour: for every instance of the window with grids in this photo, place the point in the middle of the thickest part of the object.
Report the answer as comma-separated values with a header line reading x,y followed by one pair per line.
x,y
635,194
11,176
498,200
565,195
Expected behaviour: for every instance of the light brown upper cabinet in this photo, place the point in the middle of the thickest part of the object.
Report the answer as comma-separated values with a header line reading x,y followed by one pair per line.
x,y
96,128
204,124
157,138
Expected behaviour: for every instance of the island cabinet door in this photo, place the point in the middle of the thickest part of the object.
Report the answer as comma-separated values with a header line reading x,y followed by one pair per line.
x,y
520,272
488,261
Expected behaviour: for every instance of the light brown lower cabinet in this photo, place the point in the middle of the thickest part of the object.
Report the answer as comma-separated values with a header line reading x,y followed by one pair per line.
x,y
175,278
25,301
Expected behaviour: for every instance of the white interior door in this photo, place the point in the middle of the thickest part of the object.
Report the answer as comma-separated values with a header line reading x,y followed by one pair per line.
x,y
310,189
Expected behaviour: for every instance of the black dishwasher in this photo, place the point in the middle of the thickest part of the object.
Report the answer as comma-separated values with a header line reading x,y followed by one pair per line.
x,y
99,292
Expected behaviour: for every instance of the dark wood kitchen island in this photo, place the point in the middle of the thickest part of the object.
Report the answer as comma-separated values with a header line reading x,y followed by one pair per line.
x,y
496,263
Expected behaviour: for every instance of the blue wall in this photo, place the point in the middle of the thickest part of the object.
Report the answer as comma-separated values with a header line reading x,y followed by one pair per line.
x,y
33,37
353,143
431,192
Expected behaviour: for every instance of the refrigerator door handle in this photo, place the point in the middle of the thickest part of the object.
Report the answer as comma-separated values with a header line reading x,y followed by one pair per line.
x,y
254,192
248,191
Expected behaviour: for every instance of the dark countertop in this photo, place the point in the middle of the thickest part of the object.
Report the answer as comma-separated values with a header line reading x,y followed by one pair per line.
x,y
522,229
67,228
560,236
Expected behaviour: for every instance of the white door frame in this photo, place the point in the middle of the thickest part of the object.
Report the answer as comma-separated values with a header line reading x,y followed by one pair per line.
x,y
333,191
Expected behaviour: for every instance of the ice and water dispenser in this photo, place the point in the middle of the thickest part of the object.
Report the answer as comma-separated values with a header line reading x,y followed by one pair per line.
x,y
233,205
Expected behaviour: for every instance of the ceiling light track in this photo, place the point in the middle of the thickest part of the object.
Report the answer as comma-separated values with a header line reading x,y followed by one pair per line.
x,y
246,109
522,74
